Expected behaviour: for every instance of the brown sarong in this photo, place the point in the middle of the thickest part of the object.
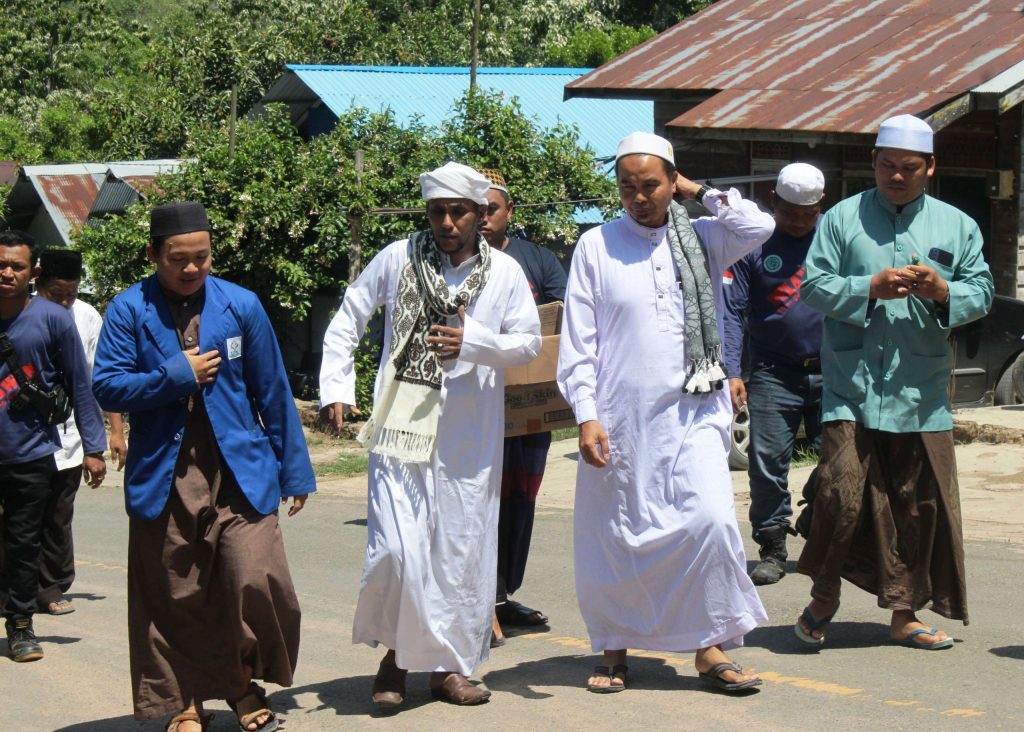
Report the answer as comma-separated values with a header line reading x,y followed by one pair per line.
x,y
887,518
211,603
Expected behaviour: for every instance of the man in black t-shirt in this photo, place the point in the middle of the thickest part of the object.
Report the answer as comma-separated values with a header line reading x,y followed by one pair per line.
x,y
526,455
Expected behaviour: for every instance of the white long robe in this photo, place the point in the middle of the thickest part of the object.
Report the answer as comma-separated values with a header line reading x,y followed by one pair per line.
x,y
431,557
659,557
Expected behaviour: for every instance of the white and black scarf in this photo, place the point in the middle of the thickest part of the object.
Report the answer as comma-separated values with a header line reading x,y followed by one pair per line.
x,y
404,419
703,345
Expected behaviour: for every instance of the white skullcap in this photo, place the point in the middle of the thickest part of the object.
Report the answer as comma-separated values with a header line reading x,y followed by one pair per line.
x,y
800,184
905,132
455,180
645,143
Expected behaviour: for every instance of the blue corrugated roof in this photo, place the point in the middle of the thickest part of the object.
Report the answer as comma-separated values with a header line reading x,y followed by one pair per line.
x,y
429,93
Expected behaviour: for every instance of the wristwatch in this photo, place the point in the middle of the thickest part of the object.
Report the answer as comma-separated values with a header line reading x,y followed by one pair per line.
x,y
701,192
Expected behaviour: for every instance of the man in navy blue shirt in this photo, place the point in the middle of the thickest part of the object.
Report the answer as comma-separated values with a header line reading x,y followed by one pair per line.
x,y
763,300
525,456
48,352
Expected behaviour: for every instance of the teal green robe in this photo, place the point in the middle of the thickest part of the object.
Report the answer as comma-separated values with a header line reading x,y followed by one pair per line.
x,y
887,363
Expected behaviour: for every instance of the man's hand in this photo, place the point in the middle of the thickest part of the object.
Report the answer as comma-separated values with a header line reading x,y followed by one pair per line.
x,y
686,188
297,503
334,414
890,284
447,341
94,469
738,392
204,365
926,282
594,444
119,448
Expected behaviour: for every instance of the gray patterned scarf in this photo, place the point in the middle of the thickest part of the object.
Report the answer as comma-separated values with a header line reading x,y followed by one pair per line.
x,y
703,345
404,419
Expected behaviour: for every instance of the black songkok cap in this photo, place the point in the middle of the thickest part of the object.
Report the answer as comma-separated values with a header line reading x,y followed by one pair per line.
x,y
61,264
184,217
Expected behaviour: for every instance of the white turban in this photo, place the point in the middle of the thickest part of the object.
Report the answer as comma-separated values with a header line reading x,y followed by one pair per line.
x,y
645,143
800,184
905,132
455,180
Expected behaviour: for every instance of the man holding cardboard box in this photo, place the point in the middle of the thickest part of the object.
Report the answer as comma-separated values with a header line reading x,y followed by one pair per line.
x,y
658,555
525,455
457,313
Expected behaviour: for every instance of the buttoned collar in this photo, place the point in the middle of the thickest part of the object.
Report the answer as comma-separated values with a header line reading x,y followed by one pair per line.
x,y
645,232
909,209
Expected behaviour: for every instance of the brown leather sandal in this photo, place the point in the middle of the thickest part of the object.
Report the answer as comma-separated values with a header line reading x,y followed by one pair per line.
x,y
245,718
203,720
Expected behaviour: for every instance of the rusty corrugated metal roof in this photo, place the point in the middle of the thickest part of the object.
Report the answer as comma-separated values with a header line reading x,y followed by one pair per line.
x,y
66,192
818,65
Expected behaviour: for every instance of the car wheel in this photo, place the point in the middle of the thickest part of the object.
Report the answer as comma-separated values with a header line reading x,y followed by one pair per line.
x,y
740,441
1011,383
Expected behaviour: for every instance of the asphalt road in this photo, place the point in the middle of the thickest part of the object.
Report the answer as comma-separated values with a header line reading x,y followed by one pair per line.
x,y
858,681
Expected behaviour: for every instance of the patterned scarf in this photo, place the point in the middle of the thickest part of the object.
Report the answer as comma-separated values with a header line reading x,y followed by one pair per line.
x,y
703,345
404,419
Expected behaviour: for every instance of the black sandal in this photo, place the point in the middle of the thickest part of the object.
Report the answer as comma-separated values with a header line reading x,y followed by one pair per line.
x,y
515,613
611,673
713,677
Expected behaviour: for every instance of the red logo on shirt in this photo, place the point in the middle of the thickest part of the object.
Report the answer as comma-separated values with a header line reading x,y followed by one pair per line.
x,y
787,294
9,386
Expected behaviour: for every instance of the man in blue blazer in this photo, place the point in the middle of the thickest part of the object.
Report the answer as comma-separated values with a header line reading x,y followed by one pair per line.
x,y
215,445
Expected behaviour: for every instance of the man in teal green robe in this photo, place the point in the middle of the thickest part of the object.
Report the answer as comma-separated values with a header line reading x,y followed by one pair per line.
x,y
893,270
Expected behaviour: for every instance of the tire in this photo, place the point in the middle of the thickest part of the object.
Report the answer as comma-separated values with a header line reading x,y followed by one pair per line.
x,y
1010,386
739,441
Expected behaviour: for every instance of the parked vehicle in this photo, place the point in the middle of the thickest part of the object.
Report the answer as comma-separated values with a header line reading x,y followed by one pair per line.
x,y
988,368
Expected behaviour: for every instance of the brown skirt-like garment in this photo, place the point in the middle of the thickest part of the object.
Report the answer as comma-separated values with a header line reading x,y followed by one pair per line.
x,y
887,518
210,601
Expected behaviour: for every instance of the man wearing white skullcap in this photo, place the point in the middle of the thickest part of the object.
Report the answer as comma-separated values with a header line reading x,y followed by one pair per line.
x,y
763,308
893,270
456,313
658,556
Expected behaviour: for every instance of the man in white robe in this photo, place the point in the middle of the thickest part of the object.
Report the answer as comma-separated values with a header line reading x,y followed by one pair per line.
x,y
427,591
658,554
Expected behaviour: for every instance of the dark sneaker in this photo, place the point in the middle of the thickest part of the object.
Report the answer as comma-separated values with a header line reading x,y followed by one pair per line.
x,y
772,567
768,571
22,645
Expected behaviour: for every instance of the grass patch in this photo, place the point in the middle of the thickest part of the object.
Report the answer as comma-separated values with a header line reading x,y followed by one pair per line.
x,y
342,466
804,457
566,433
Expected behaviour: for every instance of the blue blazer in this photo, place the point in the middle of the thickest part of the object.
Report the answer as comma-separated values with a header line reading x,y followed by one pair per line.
x,y
141,369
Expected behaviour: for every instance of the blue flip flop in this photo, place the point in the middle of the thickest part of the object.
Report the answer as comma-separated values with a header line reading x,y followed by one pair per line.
x,y
805,637
910,643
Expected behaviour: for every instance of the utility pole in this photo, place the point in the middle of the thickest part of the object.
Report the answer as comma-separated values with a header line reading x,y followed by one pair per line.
x,y
476,45
231,121
355,224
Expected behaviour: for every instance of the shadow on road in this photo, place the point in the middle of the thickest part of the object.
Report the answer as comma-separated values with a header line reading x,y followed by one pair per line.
x,y
651,674
88,596
782,640
114,724
350,697
1008,652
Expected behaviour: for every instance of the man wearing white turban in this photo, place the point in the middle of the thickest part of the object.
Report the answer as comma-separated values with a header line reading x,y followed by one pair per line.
x,y
457,313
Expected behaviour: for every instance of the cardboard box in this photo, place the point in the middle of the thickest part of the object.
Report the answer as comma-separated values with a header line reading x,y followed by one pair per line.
x,y
540,369
531,408
550,318
532,400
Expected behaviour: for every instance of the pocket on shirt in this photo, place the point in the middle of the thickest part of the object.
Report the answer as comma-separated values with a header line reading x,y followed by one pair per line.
x,y
927,378
850,382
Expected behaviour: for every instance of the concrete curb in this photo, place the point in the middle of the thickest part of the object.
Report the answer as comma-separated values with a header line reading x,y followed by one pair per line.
x,y
966,432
